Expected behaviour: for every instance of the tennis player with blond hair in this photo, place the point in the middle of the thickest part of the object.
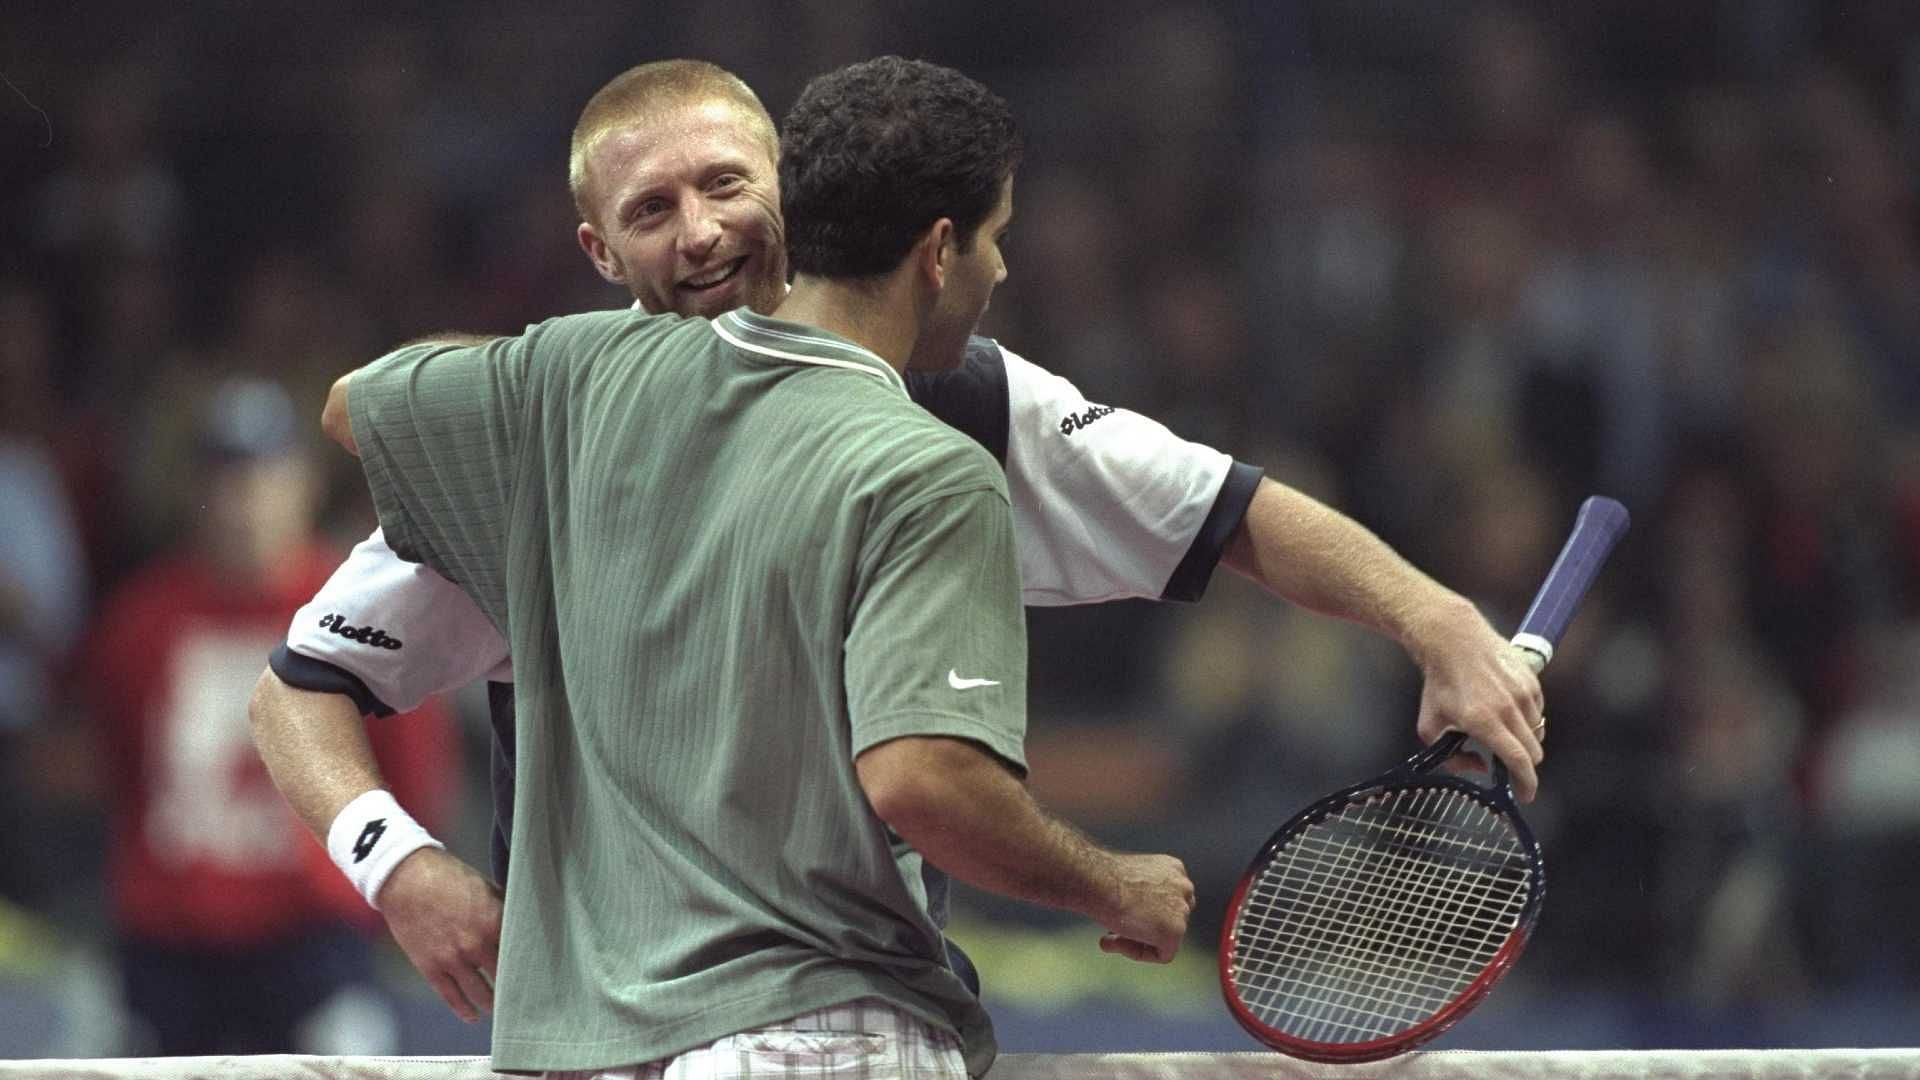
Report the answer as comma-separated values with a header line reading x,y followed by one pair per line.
x,y
673,170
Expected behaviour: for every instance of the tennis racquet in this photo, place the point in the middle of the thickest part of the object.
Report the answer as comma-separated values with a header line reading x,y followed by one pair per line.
x,y
1380,915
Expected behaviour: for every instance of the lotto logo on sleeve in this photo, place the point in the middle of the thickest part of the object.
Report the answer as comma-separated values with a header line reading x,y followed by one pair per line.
x,y
366,635
1073,422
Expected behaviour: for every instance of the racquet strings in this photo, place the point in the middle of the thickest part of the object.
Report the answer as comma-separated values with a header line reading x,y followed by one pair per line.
x,y
1370,921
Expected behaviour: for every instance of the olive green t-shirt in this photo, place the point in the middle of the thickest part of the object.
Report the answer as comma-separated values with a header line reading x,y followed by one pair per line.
x,y
729,556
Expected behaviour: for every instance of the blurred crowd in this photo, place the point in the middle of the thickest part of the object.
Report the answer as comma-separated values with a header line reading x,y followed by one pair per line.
x,y
1449,267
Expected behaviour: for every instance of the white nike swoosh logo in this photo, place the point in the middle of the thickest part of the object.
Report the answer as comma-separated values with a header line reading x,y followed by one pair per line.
x,y
954,680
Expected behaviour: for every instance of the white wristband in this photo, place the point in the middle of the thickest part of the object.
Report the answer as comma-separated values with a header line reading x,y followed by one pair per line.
x,y
370,836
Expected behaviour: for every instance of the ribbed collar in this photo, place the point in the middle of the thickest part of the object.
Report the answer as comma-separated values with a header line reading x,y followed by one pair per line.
x,y
801,344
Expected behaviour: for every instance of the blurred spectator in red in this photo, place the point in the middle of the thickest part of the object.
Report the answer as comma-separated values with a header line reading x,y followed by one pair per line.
x,y
235,931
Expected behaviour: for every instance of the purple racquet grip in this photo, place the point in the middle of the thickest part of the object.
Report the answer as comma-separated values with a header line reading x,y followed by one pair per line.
x,y
1599,526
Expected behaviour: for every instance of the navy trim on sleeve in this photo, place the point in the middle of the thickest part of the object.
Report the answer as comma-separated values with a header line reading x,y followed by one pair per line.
x,y
972,398
1189,580
305,673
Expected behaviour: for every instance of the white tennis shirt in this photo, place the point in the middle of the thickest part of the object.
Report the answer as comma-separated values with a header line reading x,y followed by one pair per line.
x,y
1108,504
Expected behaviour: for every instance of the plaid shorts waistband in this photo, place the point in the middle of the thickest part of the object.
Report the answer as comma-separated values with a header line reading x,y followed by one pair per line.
x,y
871,1015
906,1047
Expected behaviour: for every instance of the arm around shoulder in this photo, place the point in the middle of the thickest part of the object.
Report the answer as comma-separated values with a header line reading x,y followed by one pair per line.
x,y
337,422
334,419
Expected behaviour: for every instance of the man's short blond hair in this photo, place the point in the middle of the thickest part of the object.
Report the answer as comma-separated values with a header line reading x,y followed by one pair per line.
x,y
642,93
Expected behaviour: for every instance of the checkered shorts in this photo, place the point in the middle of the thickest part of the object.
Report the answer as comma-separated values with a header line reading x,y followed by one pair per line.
x,y
867,1039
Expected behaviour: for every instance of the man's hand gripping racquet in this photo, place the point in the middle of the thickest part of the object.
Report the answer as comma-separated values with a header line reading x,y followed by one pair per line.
x,y
1380,915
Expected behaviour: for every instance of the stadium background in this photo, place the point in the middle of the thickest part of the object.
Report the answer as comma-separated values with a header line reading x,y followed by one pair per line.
x,y
1448,266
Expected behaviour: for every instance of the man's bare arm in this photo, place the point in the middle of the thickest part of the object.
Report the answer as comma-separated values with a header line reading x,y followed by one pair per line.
x,y
1314,556
315,746
444,914
335,422
966,812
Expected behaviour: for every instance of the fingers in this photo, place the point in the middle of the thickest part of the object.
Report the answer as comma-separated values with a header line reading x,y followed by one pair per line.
x,y
1527,734
463,977
489,964
1502,708
1520,762
450,991
1520,769
474,987
1529,701
1139,950
1510,738
1515,743
1525,728
1156,902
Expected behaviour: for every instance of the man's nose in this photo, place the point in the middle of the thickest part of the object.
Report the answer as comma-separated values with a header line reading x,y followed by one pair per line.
x,y
701,230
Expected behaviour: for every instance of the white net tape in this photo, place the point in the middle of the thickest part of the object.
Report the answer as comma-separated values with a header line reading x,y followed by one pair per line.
x,y
1424,1065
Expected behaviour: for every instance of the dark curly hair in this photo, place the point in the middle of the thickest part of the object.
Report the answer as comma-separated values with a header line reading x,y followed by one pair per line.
x,y
874,153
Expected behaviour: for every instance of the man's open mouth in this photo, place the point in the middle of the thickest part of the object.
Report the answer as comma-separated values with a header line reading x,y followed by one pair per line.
x,y
715,278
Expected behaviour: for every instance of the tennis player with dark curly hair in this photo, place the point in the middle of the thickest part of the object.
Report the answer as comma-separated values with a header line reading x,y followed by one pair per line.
x,y
741,573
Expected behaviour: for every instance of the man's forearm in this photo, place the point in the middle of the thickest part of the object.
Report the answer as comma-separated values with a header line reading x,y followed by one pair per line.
x,y
315,746
1314,556
968,815
445,916
1473,680
963,809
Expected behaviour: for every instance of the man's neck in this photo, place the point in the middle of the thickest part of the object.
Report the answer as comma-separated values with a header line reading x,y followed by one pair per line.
x,y
877,316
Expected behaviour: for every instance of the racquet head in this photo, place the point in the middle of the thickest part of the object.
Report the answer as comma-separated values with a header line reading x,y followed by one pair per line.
x,y
1380,915
1377,917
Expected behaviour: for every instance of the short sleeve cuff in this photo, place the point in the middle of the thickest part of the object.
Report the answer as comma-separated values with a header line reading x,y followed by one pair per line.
x,y
305,673
1005,745
1190,578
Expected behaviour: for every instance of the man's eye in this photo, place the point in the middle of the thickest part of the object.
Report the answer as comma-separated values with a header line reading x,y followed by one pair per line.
x,y
647,208
727,182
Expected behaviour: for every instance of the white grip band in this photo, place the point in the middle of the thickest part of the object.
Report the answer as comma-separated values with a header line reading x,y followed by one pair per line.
x,y
1536,645
370,836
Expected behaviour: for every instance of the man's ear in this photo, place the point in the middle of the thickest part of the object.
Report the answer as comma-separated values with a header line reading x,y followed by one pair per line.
x,y
600,255
936,251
